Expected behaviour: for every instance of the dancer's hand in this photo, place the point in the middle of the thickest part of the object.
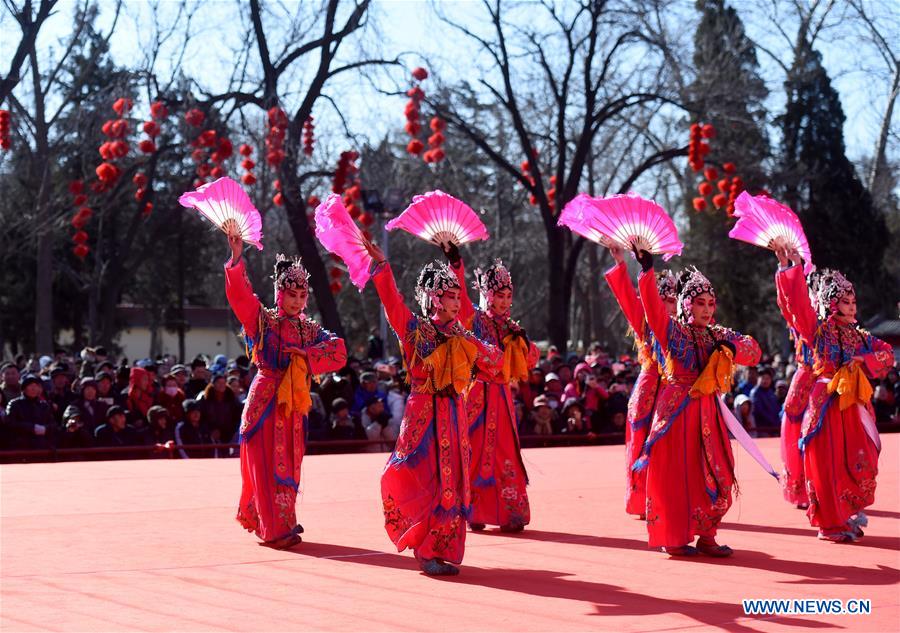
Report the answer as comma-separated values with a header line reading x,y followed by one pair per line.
x,y
451,252
781,254
617,253
645,259
237,247
375,253
794,256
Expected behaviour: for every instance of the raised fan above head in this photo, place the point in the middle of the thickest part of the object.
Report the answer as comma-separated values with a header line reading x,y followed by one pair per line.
x,y
340,235
225,203
765,222
623,219
440,218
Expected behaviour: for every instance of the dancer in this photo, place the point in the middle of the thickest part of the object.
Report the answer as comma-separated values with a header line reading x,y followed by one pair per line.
x,y
650,380
839,439
793,481
690,467
425,484
287,348
498,474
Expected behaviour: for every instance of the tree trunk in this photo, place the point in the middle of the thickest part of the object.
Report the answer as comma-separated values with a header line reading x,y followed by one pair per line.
x,y
43,305
559,293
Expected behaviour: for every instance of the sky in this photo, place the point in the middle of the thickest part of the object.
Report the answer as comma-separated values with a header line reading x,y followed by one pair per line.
x,y
412,27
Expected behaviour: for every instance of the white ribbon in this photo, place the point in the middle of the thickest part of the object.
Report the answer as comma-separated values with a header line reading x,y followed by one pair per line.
x,y
744,439
868,422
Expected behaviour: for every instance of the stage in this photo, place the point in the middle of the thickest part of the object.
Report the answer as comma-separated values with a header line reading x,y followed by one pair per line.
x,y
153,545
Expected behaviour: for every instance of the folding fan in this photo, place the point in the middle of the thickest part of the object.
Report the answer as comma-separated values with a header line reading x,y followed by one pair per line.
x,y
440,218
624,219
224,203
765,222
340,235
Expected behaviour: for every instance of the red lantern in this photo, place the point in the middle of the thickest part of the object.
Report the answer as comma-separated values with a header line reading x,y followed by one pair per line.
x,y
203,170
122,106
119,149
412,128
79,200
367,219
723,185
194,117
147,146
437,124
415,93
107,128
76,187
216,172
139,179
711,173
275,157
245,150
199,183
419,74
313,201
81,251
107,173
277,117
438,154
158,110
80,237
699,204
704,188
415,147
148,208
704,148
225,148
248,179
119,128
278,199
728,168
276,185
198,155
78,221
335,287
708,131
436,139
248,164
151,129
140,193
207,138
335,273
85,213
719,200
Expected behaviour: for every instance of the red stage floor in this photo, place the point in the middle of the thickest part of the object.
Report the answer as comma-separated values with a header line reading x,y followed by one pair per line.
x,y
152,545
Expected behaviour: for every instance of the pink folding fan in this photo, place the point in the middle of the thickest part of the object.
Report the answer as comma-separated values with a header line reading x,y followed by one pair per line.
x,y
440,218
765,222
340,235
624,219
224,203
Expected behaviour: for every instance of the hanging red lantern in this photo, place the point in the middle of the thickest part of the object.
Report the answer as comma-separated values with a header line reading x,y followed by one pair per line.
x,y
699,204
80,237
81,251
5,118
313,201
79,200
85,213
147,210
107,173
419,74
415,147
216,172
248,179
139,179
367,219
122,106
76,187
140,193
723,185
720,200
151,129
308,136
437,124
728,168
194,117
245,150
335,273
704,188
119,128
225,148
158,110
207,138
708,131
248,164
147,146
278,199
711,173
335,287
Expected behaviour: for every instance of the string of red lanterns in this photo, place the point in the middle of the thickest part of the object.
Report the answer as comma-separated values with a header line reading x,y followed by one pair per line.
x,y
4,130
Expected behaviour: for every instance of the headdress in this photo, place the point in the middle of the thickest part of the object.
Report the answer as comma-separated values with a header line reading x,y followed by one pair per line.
x,y
666,283
434,279
831,288
488,281
691,283
290,273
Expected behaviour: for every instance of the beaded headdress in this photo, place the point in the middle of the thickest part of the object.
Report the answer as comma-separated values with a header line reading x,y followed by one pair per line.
x,y
666,283
488,281
434,279
691,283
293,275
832,286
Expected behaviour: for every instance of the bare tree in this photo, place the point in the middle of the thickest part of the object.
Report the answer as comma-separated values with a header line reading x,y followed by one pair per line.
x,y
561,90
30,23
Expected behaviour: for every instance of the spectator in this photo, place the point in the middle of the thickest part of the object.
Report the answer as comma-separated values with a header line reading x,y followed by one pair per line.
x,y
766,410
60,394
368,386
191,432
76,434
105,392
93,412
29,421
162,429
743,411
199,378
181,374
572,421
116,432
884,404
220,364
530,390
750,379
543,417
343,425
234,383
379,425
587,389
170,397
139,396
120,386
616,406
220,410
397,394
10,389
781,391
553,391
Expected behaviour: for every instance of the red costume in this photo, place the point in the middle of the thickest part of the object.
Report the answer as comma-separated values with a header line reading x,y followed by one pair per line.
x,y
425,484
793,481
839,440
498,476
647,387
273,433
690,467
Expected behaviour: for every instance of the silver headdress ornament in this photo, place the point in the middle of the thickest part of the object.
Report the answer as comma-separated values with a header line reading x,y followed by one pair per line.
x,y
434,279
831,288
292,276
666,284
495,277
691,283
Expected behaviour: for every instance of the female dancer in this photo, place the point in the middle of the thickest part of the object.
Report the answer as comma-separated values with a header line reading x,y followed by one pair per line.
x,y
425,484
691,468
839,439
793,481
287,348
498,473
650,381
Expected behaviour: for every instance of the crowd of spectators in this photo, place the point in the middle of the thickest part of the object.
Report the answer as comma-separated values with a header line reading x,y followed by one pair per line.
x,y
94,400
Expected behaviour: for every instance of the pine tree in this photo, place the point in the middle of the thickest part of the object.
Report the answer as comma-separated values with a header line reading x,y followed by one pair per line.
x,y
728,92
844,227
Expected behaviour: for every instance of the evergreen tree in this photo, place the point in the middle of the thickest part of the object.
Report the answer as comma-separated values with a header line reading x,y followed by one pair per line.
x,y
844,227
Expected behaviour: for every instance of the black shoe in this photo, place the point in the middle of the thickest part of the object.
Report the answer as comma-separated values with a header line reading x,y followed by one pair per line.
x,y
476,527
684,550
437,567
